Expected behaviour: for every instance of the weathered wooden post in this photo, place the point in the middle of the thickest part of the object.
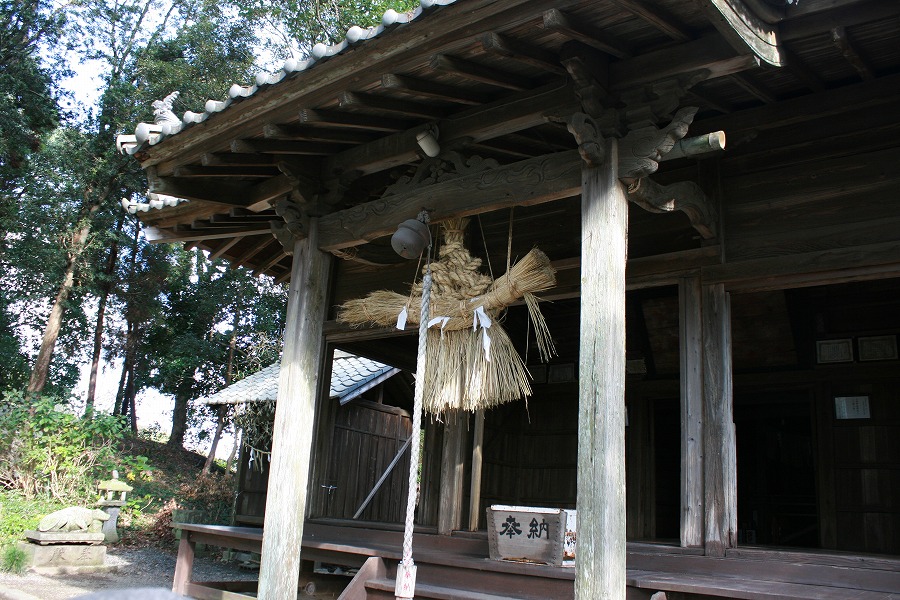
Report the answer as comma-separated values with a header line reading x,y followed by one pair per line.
x,y
690,335
294,417
720,459
600,560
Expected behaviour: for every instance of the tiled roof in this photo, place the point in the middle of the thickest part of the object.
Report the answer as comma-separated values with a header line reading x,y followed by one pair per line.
x,y
149,134
351,376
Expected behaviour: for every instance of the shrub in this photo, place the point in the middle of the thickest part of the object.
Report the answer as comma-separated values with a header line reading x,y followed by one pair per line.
x,y
18,514
46,452
13,559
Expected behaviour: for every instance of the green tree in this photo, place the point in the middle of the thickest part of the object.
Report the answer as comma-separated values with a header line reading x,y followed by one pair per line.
x,y
27,105
147,53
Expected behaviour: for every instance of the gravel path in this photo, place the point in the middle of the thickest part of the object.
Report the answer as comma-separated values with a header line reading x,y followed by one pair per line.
x,y
135,568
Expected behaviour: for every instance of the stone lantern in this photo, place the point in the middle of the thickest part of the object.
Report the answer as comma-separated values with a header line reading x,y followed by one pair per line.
x,y
112,505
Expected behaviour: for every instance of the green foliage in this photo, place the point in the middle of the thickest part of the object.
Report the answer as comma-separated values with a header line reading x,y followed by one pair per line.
x,y
293,27
27,105
19,514
13,559
46,452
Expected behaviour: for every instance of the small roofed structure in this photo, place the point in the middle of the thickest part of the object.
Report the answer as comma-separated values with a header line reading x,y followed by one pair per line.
x,y
375,407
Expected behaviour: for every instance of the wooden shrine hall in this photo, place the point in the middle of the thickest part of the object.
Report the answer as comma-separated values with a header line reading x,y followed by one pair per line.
x,y
716,185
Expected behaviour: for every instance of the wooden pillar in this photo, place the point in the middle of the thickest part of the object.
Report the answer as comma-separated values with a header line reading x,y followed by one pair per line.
x,y
452,471
184,564
691,353
475,480
600,561
294,417
720,458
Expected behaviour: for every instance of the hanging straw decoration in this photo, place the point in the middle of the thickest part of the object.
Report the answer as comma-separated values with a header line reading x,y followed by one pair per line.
x,y
471,362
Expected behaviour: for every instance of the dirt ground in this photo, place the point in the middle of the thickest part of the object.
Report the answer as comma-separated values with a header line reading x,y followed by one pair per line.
x,y
133,568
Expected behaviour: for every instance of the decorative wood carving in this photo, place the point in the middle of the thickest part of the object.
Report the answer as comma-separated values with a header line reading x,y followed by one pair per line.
x,y
305,187
685,196
589,137
651,103
641,149
293,226
531,181
449,165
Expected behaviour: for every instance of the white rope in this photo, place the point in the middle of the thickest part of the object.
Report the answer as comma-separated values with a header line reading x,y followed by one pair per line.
x,y
406,573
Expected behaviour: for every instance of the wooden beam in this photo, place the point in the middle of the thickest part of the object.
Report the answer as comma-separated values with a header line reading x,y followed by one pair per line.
x,y
402,51
180,235
600,569
719,454
229,171
559,21
207,191
423,88
248,255
228,159
532,181
861,96
710,55
391,106
270,146
529,54
521,111
801,71
294,420
480,73
824,267
690,329
810,19
307,133
658,17
843,43
340,120
225,247
753,88
271,262
744,30
248,219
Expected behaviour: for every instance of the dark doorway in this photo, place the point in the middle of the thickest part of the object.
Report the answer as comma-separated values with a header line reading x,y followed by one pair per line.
x,y
667,469
776,487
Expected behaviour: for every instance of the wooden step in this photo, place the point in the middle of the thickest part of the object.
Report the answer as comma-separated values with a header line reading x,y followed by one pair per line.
x,y
435,592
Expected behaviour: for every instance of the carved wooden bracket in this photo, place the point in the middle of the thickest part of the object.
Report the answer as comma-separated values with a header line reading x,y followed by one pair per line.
x,y
294,226
685,196
641,150
447,166
587,133
305,186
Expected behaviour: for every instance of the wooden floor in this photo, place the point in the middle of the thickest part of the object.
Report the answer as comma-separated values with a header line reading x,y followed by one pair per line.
x,y
457,568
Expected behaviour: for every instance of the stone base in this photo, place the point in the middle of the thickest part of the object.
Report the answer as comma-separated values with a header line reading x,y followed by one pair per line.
x,y
46,538
64,556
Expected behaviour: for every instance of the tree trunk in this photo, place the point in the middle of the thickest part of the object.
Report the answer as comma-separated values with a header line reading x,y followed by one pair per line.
x,y
179,414
101,313
223,409
41,369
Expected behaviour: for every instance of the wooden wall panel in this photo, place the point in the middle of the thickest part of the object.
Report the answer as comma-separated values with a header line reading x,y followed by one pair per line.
x,y
530,451
366,438
839,202
866,463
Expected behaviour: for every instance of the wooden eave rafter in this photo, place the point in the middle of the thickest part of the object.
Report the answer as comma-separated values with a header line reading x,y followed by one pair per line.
x,y
745,30
352,119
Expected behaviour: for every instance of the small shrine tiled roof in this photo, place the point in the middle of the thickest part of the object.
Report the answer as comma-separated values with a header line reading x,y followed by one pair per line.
x,y
351,376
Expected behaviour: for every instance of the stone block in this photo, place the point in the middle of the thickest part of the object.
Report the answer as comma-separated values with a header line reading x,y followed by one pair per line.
x,y
47,538
64,555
